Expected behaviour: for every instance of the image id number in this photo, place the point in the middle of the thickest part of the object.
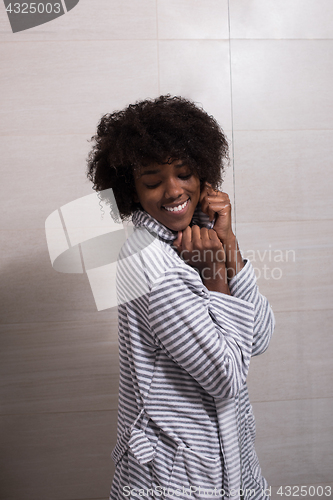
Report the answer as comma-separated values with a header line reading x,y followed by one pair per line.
x,y
33,8
303,491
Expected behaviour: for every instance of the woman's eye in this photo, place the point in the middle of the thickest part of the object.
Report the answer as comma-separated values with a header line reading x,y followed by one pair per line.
x,y
152,186
184,177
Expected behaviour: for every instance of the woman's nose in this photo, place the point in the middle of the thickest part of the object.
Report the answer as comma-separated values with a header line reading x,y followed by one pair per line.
x,y
173,188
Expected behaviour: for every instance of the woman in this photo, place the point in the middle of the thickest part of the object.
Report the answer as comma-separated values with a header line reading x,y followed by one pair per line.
x,y
190,314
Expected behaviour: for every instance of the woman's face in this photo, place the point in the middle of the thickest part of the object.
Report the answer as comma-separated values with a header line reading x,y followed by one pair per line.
x,y
169,192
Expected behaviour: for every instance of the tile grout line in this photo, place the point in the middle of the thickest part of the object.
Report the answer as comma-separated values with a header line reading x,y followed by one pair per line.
x,y
158,50
98,40
84,134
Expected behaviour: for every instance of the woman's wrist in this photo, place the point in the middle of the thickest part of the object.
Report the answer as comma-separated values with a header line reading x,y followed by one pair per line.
x,y
234,260
215,278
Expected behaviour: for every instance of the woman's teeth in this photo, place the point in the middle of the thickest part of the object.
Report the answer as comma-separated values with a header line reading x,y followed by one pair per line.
x,y
176,209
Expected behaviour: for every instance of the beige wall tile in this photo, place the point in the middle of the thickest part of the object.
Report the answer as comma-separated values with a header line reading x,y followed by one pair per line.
x,y
179,19
283,175
294,439
65,87
280,84
40,174
57,456
32,291
283,19
298,363
102,20
59,367
292,261
198,70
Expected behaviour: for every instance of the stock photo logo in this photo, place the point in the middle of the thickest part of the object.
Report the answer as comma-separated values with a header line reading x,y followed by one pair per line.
x,y
87,235
24,15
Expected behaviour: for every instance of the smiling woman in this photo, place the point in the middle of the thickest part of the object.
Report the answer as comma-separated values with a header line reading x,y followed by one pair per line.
x,y
169,192
190,313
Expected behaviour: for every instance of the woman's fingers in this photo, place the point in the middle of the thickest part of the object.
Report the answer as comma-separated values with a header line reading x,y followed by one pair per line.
x,y
178,241
187,238
220,208
213,201
196,235
213,236
199,247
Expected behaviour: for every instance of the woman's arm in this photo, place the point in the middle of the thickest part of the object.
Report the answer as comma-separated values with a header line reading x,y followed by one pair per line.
x,y
241,278
244,286
209,335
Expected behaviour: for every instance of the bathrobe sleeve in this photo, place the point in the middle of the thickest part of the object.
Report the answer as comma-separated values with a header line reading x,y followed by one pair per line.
x,y
244,286
210,335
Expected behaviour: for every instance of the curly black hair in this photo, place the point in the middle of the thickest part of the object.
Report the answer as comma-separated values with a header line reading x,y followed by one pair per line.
x,y
154,131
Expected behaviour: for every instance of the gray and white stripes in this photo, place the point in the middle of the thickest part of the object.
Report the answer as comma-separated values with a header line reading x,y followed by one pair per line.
x,y
184,418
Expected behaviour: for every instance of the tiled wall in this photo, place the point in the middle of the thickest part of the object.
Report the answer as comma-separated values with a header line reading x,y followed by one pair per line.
x,y
58,384
281,54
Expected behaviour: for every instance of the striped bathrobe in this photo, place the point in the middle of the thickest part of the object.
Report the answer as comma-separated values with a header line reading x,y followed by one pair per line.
x,y
185,423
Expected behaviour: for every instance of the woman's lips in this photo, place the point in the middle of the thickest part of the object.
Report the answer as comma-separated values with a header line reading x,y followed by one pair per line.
x,y
178,209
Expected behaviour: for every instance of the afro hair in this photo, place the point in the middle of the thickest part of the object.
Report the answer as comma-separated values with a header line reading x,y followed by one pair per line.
x,y
154,131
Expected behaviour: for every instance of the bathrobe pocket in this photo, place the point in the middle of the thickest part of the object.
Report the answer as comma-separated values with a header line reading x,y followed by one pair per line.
x,y
183,472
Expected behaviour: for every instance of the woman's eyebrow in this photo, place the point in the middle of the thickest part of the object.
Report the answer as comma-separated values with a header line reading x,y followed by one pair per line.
x,y
149,172
158,170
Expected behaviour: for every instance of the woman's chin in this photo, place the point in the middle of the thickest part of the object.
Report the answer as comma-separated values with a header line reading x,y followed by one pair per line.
x,y
175,222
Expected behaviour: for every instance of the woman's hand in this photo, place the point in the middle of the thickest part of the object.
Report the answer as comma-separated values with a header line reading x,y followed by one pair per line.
x,y
202,249
217,204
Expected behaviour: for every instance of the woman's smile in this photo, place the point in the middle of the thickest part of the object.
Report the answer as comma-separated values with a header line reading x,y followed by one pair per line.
x,y
180,208
169,192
